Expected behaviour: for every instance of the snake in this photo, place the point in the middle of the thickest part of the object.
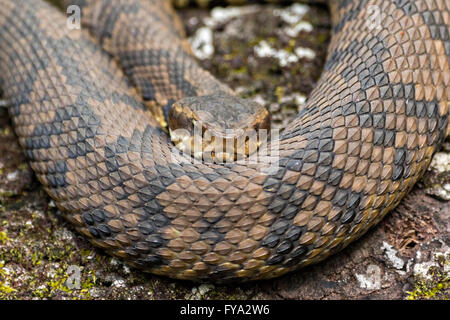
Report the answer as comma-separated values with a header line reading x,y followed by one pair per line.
x,y
82,103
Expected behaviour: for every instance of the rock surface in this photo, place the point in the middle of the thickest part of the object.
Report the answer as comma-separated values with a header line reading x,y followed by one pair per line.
x,y
273,55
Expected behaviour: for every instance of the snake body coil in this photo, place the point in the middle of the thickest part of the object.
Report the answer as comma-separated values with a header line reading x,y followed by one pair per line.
x,y
368,132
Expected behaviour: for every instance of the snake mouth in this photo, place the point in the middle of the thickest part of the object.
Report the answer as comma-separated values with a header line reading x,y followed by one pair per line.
x,y
218,128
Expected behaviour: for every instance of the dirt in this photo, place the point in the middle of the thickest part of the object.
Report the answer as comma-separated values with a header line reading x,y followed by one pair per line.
x,y
406,256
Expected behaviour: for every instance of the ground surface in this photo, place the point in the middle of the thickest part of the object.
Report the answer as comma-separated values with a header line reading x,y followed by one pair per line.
x,y
274,56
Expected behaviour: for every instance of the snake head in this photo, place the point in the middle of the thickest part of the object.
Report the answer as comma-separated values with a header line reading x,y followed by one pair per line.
x,y
218,128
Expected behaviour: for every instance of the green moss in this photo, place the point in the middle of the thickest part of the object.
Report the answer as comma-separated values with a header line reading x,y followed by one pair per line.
x,y
58,285
4,237
429,290
241,70
7,194
36,259
11,254
43,257
436,287
5,289
291,46
279,93
322,38
22,166
5,131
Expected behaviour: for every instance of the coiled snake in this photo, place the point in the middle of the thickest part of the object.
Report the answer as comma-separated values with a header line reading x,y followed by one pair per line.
x,y
368,132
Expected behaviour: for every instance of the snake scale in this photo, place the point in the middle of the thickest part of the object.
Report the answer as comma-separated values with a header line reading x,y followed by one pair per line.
x,y
80,107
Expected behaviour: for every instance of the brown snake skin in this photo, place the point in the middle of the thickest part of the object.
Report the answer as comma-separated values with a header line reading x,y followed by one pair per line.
x,y
370,128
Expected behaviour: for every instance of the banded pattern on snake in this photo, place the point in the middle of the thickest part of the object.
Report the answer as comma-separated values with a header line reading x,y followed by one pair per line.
x,y
368,132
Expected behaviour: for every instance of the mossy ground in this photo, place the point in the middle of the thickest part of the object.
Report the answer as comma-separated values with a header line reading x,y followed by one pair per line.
x,y
435,284
38,248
